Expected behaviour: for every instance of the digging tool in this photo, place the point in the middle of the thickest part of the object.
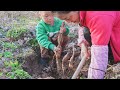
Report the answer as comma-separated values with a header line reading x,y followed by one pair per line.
x,y
79,67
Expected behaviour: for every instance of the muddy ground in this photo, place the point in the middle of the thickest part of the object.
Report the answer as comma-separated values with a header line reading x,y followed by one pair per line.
x,y
51,71
28,52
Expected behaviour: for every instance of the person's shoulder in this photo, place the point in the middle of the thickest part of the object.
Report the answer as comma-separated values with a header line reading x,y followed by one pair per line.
x,y
41,23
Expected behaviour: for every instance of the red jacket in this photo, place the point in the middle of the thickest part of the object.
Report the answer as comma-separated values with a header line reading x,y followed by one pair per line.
x,y
104,27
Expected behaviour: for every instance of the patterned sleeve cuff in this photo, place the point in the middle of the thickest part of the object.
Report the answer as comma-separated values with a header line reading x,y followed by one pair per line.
x,y
81,38
82,41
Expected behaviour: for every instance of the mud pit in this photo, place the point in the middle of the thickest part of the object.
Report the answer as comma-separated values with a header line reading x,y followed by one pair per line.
x,y
32,66
32,57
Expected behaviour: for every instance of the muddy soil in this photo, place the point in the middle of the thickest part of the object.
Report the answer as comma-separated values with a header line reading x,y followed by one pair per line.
x,y
30,56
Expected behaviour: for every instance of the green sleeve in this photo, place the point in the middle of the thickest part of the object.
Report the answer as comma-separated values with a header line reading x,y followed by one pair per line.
x,y
51,46
42,38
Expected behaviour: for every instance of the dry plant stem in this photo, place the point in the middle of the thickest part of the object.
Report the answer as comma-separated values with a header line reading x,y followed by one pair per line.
x,y
52,63
58,54
72,58
110,68
58,62
60,39
64,60
59,65
76,54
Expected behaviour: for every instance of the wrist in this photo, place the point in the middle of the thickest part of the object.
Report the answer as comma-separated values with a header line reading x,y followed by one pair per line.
x,y
51,46
54,48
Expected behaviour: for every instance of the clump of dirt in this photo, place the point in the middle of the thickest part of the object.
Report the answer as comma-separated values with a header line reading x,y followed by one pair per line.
x,y
113,71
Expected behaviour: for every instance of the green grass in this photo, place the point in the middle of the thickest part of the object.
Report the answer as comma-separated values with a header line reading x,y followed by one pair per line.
x,y
26,21
7,54
1,54
16,32
2,32
11,63
9,45
17,72
33,42
19,28
1,73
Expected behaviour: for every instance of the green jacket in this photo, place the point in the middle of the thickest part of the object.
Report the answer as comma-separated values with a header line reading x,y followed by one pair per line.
x,y
43,31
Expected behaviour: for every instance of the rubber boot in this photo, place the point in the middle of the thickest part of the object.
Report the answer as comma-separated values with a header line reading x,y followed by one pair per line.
x,y
99,61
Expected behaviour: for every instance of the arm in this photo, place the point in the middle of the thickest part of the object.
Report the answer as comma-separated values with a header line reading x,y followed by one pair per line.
x,y
41,36
83,44
81,38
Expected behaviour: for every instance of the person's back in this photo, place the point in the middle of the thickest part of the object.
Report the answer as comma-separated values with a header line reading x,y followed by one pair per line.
x,y
107,29
115,38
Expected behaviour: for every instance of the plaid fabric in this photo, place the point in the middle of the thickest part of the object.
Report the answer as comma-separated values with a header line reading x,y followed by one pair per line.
x,y
99,61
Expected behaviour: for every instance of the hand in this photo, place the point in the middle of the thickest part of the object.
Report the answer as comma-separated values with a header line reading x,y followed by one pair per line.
x,y
57,51
84,51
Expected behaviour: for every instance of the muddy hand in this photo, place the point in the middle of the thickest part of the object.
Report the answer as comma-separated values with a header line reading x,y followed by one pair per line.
x,y
57,51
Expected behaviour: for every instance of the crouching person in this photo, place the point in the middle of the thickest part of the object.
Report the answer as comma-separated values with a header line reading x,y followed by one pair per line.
x,y
46,33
